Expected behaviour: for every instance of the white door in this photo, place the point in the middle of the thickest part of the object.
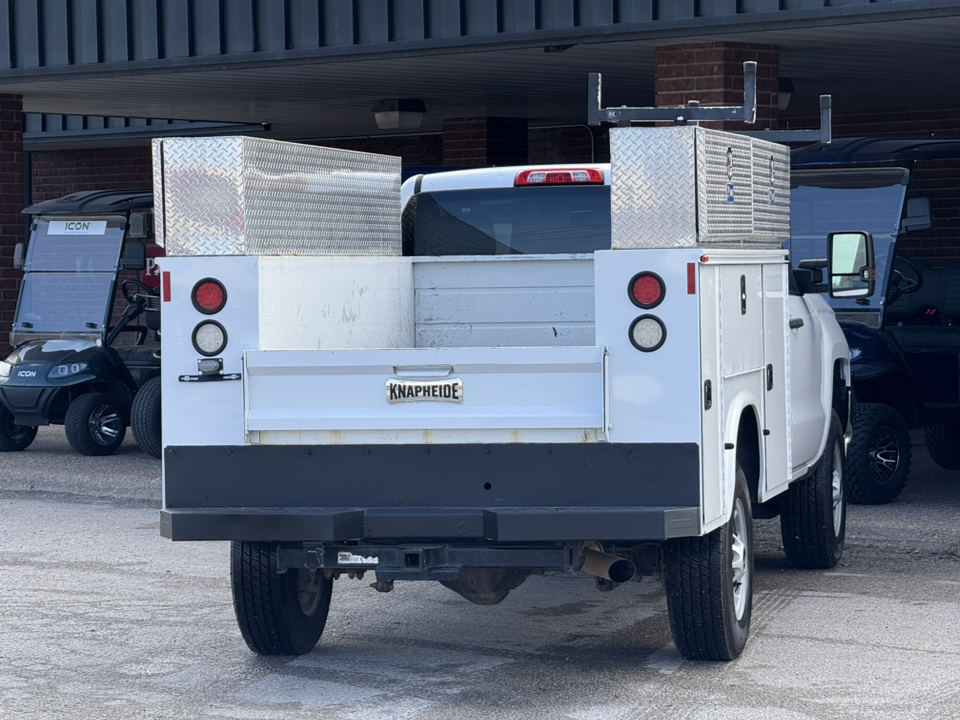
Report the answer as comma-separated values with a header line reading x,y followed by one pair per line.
x,y
806,410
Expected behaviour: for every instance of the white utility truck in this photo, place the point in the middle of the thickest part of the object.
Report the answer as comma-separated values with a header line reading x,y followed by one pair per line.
x,y
591,369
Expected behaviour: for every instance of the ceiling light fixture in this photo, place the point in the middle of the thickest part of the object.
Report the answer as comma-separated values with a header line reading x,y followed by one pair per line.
x,y
399,113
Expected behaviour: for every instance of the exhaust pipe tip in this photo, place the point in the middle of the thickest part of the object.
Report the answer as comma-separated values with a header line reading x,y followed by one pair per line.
x,y
608,567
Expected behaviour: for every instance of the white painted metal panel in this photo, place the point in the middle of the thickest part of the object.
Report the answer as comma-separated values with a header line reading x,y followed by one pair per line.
x,y
806,382
503,388
335,302
711,447
652,396
206,413
776,406
741,303
531,301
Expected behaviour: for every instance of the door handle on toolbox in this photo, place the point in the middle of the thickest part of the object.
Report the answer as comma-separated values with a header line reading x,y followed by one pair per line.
x,y
422,371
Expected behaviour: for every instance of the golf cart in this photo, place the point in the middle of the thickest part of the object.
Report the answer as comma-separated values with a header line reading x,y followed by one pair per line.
x,y
904,339
76,361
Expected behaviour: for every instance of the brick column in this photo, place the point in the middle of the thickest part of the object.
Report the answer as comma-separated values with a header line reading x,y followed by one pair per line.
x,y
713,74
484,142
11,203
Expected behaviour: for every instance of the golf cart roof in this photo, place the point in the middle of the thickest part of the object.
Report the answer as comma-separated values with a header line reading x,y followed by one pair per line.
x,y
870,151
94,202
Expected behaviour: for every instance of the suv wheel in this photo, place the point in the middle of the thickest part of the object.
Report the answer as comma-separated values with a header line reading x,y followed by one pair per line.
x,y
878,458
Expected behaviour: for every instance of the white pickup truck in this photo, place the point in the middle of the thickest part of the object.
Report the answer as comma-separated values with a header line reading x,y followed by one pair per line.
x,y
590,369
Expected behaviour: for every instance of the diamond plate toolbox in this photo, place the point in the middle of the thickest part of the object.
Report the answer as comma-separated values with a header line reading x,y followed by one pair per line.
x,y
251,196
685,186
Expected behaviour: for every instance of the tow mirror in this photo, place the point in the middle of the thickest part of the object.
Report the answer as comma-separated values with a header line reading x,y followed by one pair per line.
x,y
850,264
918,215
134,257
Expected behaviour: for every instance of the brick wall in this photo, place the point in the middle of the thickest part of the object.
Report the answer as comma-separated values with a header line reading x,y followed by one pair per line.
x,y
575,144
59,172
712,73
484,142
11,203
413,150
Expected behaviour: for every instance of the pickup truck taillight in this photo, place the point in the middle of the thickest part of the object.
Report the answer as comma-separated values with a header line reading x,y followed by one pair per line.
x,y
646,290
209,296
559,176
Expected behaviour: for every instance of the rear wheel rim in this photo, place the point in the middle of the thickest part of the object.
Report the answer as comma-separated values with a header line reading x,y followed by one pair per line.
x,y
309,587
884,455
740,567
105,424
836,490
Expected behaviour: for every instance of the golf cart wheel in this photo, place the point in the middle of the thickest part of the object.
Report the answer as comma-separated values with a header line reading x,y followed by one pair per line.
x,y
878,458
943,444
95,423
813,510
278,614
709,582
14,437
145,417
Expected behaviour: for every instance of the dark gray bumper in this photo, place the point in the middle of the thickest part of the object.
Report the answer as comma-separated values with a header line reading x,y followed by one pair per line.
x,y
537,524
494,493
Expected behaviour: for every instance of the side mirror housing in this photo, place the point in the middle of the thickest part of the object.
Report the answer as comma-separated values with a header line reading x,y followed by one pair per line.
x,y
19,256
918,215
850,264
134,257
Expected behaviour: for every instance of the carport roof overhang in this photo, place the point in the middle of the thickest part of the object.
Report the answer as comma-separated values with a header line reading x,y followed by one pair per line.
x,y
866,60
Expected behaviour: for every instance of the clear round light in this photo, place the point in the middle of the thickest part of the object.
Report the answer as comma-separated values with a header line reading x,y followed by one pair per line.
x,y
209,338
647,333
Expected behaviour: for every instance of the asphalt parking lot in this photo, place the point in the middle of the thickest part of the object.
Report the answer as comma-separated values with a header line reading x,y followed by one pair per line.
x,y
102,618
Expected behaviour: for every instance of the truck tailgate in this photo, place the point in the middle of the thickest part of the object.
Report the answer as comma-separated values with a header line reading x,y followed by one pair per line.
x,y
424,389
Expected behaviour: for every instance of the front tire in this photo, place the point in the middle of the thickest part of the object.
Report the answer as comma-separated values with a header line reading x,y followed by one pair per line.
x,y
278,614
943,444
878,458
813,513
13,437
96,423
709,583
145,418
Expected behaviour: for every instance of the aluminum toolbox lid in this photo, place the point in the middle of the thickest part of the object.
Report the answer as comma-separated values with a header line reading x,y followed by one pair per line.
x,y
252,196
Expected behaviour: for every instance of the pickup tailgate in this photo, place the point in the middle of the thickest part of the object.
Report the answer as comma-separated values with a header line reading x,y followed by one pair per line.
x,y
501,388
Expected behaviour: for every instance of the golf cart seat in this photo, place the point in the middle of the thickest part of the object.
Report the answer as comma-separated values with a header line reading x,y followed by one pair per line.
x,y
138,355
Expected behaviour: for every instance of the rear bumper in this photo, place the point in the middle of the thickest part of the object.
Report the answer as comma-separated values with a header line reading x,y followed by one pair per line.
x,y
472,493
529,524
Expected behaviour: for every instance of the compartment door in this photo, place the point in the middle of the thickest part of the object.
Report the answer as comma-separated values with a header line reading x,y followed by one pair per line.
x,y
776,404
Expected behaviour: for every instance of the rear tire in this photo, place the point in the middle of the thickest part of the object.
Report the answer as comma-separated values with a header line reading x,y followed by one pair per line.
x,y
709,583
878,458
13,437
278,614
943,444
96,423
813,513
145,418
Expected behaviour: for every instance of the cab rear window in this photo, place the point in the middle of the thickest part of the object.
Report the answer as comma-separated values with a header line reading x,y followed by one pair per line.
x,y
508,221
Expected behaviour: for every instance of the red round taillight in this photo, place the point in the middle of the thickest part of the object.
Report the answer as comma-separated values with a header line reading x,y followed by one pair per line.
x,y
646,290
209,296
